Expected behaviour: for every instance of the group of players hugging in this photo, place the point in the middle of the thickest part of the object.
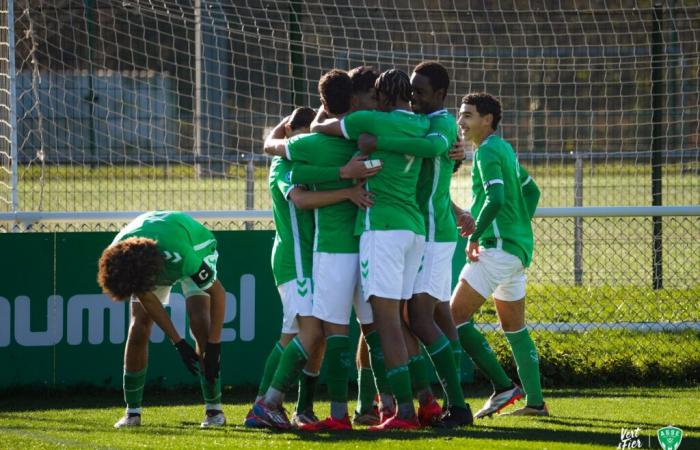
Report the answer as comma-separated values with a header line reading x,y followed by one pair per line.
x,y
364,221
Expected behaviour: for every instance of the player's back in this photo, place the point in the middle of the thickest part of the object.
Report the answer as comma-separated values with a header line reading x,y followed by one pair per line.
x,y
334,224
182,240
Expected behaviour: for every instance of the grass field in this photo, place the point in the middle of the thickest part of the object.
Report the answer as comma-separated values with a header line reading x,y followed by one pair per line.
x,y
581,419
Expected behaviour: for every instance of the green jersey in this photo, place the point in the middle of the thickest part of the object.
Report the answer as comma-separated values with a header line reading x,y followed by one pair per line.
x,y
291,251
434,182
335,224
394,187
184,243
495,162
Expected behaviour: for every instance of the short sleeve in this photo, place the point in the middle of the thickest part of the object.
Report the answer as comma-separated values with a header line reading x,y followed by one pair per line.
x,y
284,180
354,124
489,166
301,147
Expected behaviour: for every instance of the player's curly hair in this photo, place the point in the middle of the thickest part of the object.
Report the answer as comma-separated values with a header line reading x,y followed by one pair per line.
x,y
485,104
301,118
335,89
129,267
395,85
436,74
363,79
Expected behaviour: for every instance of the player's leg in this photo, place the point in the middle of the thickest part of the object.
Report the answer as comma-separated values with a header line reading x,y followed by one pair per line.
x,y
383,261
389,327
297,305
199,313
443,319
477,281
366,411
420,369
135,364
510,306
336,276
308,380
371,337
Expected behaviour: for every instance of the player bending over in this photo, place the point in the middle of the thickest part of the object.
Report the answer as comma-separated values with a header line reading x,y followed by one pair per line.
x,y
148,256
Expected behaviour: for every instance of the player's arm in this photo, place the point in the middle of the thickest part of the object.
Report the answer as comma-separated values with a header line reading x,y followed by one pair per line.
x,y
531,192
276,143
429,146
326,125
156,311
465,221
492,176
355,169
304,199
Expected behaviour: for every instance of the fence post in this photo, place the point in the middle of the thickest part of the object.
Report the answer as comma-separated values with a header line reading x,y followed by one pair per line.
x,y
14,151
658,99
250,189
578,221
296,55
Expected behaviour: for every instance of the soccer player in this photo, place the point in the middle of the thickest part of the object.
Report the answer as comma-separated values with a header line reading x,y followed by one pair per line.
x,y
433,286
291,263
500,248
392,231
148,256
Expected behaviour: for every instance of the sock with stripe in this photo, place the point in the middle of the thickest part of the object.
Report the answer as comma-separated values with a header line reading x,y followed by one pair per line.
x,y
528,362
479,350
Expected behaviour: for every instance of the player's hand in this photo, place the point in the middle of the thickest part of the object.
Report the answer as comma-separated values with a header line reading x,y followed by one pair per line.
x,y
466,224
359,196
212,361
457,152
355,169
188,355
473,251
367,143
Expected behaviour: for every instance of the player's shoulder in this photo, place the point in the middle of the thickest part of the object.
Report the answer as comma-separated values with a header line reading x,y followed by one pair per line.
x,y
365,114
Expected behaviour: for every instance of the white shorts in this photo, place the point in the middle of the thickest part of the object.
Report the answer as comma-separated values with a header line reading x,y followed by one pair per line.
x,y
497,272
189,289
297,300
435,272
337,289
389,262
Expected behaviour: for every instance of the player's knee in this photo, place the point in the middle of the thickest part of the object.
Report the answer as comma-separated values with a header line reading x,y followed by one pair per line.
x,y
140,331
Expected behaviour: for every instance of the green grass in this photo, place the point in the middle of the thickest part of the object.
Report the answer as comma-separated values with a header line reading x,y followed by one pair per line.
x,y
581,419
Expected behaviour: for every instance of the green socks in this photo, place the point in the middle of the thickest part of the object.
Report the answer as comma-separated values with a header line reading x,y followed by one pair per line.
x,y
376,357
483,356
420,376
271,363
442,356
400,381
527,360
338,359
211,392
365,390
307,391
457,351
291,362
133,389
